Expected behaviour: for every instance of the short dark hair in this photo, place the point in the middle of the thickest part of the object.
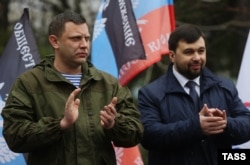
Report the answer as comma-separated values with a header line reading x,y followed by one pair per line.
x,y
56,27
186,32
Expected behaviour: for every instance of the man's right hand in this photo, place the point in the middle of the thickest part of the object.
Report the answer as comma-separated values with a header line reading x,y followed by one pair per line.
x,y
212,120
71,110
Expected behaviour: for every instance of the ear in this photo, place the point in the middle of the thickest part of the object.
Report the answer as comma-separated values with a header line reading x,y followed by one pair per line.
x,y
53,41
171,55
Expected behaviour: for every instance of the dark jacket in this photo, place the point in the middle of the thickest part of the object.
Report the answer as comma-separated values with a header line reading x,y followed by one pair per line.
x,y
172,131
35,107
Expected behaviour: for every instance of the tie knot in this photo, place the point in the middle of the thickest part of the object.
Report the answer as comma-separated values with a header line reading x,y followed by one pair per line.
x,y
190,84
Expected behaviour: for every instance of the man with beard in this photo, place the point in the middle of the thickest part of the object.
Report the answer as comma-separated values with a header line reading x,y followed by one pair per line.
x,y
187,125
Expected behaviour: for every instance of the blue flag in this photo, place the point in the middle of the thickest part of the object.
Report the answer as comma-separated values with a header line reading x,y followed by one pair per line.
x,y
19,55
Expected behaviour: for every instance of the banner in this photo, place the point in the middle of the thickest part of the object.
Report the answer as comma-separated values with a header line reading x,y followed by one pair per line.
x,y
123,33
114,29
19,55
243,82
155,21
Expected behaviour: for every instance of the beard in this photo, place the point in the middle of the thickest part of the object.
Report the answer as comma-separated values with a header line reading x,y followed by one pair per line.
x,y
190,72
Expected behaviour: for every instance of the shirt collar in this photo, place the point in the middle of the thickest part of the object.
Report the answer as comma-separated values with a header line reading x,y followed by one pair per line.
x,y
183,80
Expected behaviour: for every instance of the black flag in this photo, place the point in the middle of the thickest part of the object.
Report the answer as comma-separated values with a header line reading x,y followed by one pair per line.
x,y
123,32
19,55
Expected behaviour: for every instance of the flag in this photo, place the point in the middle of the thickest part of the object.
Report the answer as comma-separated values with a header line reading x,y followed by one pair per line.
x,y
19,55
155,21
144,24
243,82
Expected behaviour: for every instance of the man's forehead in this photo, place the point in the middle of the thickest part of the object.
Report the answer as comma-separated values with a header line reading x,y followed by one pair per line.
x,y
200,43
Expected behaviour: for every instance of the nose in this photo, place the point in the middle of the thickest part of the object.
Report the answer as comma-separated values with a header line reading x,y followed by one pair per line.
x,y
83,43
196,56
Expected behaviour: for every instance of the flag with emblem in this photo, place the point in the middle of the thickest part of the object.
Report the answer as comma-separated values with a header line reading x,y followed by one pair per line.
x,y
129,36
155,21
19,55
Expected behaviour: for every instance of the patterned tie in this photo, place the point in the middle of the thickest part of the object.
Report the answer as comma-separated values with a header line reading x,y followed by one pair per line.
x,y
193,93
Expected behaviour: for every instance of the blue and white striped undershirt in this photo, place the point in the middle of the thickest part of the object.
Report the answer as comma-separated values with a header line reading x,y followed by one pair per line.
x,y
73,78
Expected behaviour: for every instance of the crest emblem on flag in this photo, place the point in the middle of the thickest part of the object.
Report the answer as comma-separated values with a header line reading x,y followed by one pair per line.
x,y
5,154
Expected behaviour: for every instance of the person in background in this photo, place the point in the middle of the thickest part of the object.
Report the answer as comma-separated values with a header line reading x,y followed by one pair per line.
x,y
64,111
185,125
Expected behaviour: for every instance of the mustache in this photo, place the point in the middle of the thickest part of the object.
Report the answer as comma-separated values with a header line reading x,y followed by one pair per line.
x,y
196,63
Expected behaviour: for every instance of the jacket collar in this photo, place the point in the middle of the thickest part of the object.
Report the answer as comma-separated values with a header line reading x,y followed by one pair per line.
x,y
88,70
207,80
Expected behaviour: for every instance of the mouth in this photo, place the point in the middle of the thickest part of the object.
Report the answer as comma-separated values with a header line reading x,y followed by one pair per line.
x,y
82,55
195,66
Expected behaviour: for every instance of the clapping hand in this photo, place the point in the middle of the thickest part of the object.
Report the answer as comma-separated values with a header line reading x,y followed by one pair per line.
x,y
108,114
212,120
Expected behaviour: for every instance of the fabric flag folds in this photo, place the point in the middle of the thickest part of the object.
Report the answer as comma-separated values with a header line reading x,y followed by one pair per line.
x,y
243,82
19,55
128,37
114,28
123,32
